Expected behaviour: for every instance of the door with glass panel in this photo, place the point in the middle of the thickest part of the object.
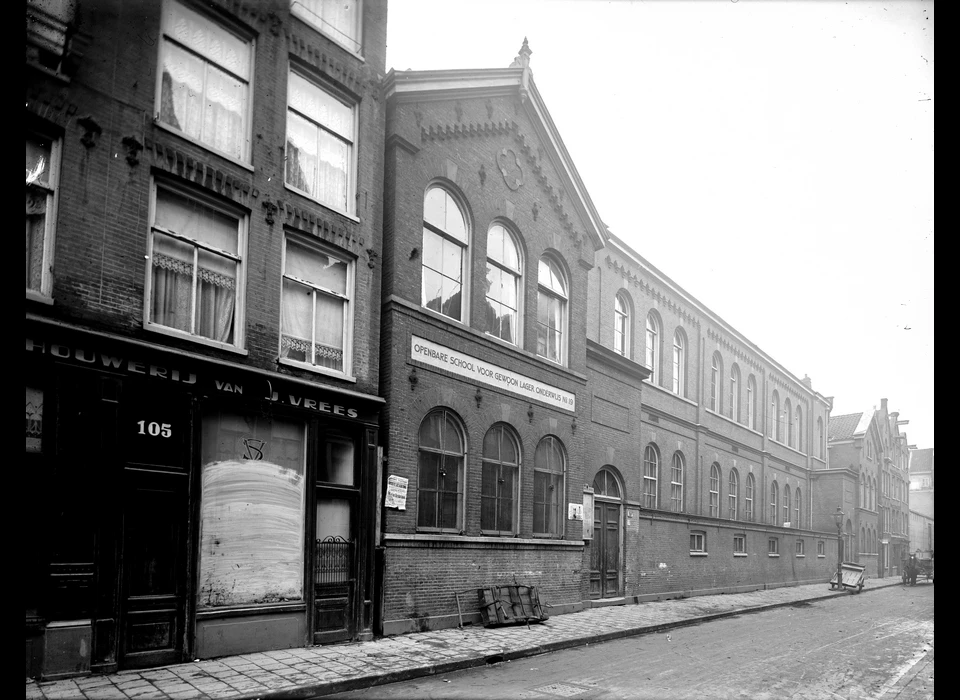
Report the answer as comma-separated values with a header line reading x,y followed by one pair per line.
x,y
336,560
605,547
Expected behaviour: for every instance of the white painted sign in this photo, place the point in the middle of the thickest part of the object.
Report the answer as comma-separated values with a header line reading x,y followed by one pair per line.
x,y
462,365
575,511
396,493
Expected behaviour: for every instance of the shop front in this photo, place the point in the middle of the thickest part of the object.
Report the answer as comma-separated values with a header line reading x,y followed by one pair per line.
x,y
187,508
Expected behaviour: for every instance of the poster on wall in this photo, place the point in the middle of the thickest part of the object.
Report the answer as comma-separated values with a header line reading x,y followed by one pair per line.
x,y
396,493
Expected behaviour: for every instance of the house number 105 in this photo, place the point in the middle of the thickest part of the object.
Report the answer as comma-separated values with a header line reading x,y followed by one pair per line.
x,y
153,428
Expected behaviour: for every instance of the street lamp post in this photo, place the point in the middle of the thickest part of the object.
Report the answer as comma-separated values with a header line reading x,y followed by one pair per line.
x,y
838,518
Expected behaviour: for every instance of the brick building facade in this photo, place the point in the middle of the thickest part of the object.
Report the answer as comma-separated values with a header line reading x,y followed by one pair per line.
x,y
204,186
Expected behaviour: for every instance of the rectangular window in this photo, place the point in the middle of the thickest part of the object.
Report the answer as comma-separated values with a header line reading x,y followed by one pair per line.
x,y
204,82
251,547
800,548
320,160
739,544
194,281
698,543
316,316
773,547
42,179
821,549
338,19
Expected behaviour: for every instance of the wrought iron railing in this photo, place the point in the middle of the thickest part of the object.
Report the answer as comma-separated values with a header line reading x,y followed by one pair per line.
x,y
334,560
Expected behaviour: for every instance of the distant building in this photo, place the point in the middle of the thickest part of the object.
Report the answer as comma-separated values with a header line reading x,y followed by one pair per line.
x,y
921,498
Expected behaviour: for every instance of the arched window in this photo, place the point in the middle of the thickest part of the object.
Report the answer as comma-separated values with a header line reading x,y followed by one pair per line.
x,y
797,512
679,363
748,492
735,392
552,298
440,475
549,470
821,444
798,429
653,347
605,483
715,490
500,481
786,504
752,403
504,285
788,420
775,432
774,502
676,483
716,383
651,472
444,252
621,325
733,495
863,491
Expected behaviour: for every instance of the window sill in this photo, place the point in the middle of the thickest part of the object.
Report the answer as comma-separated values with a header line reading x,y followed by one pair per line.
x,y
668,392
698,554
314,200
197,142
740,554
821,556
39,298
316,370
172,333
773,556
801,556
49,72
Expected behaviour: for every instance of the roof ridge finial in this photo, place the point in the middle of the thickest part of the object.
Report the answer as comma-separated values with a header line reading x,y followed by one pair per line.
x,y
523,61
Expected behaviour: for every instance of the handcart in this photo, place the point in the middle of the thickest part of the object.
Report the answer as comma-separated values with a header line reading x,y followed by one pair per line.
x,y
505,605
851,577
919,564
925,563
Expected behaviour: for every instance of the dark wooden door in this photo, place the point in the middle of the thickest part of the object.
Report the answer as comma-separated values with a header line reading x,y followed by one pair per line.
x,y
335,569
605,550
153,562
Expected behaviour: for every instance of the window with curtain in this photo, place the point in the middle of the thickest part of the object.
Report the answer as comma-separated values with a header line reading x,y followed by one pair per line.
x,y
444,250
316,313
676,483
500,481
774,502
549,470
320,144
42,179
504,276
679,364
195,264
621,325
748,492
733,495
715,490
651,474
204,79
735,392
752,403
552,298
653,347
440,472
716,383
338,19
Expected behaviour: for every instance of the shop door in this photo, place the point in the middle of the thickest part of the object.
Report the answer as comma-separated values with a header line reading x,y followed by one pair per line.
x,y
153,562
605,568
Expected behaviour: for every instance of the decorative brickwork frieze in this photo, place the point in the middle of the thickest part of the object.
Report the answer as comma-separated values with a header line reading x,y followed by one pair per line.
x,y
321,227
734,349
653,292
171,160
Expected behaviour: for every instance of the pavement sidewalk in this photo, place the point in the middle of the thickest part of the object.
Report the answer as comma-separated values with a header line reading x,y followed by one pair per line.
x,y
322,670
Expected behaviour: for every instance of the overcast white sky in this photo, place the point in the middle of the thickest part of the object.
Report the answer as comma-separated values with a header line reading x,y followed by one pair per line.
x,y
773,157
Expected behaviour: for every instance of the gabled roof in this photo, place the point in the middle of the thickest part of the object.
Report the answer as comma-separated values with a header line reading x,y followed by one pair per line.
x,y
844,427
921,460
517,80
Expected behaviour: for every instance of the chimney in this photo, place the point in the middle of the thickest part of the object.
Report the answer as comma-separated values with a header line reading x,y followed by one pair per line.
x,y
807,382
883,405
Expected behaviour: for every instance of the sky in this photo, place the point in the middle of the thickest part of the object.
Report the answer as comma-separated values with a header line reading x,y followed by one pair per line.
x,y
773,157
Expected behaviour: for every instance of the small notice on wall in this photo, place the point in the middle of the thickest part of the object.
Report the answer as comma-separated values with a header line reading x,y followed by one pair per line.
x,y
396,493
574,511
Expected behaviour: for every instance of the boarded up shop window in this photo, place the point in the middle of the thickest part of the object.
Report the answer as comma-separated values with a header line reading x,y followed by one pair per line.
x,y
252,512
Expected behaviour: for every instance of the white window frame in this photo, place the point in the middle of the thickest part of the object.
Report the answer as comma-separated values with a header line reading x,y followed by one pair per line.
x,y
740,545
749,494
350,204
797,512
698,542
239,321
733,495
676,482
679,364
463,244
800,548
650,490
516,275
751,402
716,383
563,296
773,547
621,325
652,347
353,44
245,157
735,392
716,475
51,190
348,300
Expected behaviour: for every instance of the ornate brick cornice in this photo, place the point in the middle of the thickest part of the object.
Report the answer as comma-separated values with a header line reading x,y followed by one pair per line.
x,y
787,385
663,299
338,71
439,132
734,349
172,160
322,227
